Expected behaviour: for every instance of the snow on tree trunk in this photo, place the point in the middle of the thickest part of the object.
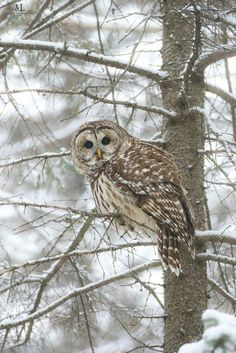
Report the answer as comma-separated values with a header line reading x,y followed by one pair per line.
x,y
186,296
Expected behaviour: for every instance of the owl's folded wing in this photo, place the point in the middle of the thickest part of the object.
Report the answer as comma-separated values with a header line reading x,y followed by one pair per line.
x,y
155,185
169,206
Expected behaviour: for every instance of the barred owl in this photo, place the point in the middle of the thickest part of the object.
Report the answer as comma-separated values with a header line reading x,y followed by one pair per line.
x,y
138,180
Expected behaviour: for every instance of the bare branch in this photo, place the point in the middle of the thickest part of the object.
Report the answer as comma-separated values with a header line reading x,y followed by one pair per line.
x,y
51,272
221,291
88,22
57,19
38,15
54,12
112,248
44,156
85,93
40,205
220,16
222,183
7,3
92,213
196,49
150,290
78,291
218,133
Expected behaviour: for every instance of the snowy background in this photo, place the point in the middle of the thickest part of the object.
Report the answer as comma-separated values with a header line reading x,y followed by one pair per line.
x,y
40,197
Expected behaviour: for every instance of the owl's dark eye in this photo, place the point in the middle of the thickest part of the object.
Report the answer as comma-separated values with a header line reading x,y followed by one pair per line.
x,y
106,140
88,144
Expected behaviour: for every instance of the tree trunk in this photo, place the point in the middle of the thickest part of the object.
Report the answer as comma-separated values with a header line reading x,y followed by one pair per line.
x,y
186,296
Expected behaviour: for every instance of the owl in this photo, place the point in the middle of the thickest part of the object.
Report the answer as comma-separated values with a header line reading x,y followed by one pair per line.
x,y
138,181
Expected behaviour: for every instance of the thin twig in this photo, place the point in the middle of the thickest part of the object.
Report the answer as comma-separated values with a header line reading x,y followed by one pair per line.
x,y
36,156
85,93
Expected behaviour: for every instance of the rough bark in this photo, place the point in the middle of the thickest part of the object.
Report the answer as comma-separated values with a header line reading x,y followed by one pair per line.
x,y
186,296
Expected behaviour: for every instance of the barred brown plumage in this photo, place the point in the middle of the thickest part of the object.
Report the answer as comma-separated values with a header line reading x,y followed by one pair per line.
x,y
139,181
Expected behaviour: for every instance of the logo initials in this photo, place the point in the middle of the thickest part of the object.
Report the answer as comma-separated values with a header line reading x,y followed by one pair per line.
x,y
19,7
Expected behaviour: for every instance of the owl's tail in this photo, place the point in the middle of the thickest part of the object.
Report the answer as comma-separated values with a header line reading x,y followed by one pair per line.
x,y
168,248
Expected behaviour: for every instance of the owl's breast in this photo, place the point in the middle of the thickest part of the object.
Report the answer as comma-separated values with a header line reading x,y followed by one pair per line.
x,y
110,199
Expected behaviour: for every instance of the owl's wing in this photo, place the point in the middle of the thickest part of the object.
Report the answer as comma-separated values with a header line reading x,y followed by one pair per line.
x,y
169,206
151,175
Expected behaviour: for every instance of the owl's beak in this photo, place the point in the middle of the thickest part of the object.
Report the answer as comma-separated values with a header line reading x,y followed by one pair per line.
x,y
99,153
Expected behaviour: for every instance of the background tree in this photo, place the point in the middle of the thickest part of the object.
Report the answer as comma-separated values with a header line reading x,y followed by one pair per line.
x,y
152,67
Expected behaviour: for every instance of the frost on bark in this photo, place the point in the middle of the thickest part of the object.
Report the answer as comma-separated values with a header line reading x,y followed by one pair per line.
x,y
186,296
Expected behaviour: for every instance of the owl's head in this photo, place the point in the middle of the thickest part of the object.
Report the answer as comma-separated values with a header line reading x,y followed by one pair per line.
x,y
94,143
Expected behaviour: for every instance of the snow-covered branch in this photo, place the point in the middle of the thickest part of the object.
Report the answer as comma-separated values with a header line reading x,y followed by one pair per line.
x,y
217,258
210,58
78,291
216,236
37,25
85,55
228,97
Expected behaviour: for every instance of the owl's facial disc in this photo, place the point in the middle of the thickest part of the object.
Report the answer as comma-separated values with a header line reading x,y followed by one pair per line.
x,y
86,145
93,146
108,142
